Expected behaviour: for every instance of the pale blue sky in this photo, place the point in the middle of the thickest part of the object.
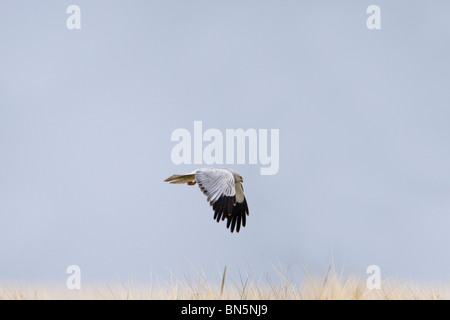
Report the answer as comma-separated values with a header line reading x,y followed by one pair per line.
x,y
86,118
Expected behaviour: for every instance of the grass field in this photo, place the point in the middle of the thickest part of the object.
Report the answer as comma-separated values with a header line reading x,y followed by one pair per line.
x,y
332,285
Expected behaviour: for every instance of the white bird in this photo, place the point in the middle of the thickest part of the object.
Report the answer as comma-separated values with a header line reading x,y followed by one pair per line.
x,y
224,190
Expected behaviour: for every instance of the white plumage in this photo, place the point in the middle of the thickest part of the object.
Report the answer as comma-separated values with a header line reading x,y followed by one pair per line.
x,y
224,191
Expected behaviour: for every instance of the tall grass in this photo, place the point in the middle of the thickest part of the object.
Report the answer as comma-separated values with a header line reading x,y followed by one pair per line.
x,y
332,285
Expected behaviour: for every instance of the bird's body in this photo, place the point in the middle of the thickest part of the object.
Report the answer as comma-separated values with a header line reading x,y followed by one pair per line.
x,y
224,190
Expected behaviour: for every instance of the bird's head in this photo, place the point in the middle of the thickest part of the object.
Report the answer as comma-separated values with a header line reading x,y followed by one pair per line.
x,y
237,176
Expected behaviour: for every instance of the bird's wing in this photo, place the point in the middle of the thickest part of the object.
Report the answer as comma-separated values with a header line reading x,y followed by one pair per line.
x,y
240,210
227,202
216,184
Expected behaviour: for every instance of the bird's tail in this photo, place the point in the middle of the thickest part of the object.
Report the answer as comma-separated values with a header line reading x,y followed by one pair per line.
x,y
181,178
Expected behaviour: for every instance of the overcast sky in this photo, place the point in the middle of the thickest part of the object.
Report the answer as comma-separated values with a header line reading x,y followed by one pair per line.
x,y
86,118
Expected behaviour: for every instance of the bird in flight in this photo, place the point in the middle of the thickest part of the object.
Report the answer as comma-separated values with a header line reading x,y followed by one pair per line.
x,y
224,190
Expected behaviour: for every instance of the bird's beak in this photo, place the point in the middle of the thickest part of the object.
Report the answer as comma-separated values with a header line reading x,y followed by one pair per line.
x,y
242,179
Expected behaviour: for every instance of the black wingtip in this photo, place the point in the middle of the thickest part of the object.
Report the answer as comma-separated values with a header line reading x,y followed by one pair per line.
x,y
237,218
235,212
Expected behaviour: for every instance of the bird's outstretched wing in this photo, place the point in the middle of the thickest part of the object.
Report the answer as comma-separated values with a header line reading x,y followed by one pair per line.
x,y
220,187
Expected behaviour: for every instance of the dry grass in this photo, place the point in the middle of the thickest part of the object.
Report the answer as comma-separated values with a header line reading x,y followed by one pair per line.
x,y
331,286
